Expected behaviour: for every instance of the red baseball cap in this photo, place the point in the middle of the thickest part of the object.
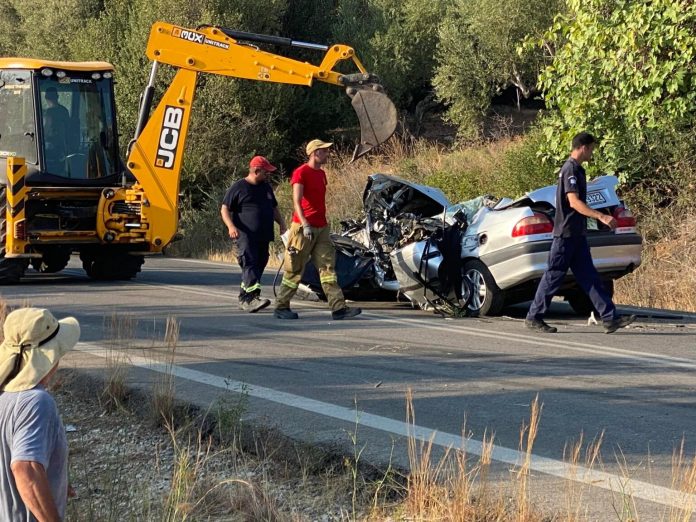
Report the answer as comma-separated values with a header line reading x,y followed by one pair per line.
x,y
259,162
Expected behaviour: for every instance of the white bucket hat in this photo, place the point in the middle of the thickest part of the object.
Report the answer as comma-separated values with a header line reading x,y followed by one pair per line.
x,y
34,343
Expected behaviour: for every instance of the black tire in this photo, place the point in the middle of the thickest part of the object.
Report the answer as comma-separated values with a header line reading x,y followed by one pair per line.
x,y
112,266
11,270
580,302
486,298
53,260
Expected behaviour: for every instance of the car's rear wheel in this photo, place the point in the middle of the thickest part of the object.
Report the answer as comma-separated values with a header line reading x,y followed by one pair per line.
x,y
580,302
486,298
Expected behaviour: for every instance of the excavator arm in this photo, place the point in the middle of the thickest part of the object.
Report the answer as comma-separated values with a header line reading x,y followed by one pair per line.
x,y
155,154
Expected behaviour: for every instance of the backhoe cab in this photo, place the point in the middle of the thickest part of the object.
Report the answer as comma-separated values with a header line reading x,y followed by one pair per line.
x,y
66,189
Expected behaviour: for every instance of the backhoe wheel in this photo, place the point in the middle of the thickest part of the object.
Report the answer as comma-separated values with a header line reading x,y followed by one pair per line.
x,y
111,266
487,298
53,260
11,270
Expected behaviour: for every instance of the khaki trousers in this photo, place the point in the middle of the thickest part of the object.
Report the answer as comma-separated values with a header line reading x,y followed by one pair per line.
x,y
298,251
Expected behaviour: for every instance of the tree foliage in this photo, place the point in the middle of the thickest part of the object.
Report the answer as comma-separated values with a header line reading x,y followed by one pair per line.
x,y
624,70
477,54
403,48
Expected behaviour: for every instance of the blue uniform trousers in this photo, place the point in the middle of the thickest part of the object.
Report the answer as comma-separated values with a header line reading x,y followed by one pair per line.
x,y
252,256
571,253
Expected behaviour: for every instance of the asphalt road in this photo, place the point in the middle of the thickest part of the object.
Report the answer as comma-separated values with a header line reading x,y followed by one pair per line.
x,y
319,380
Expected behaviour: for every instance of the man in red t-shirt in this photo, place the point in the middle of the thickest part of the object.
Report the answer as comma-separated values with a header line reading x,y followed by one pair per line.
x,y
309,237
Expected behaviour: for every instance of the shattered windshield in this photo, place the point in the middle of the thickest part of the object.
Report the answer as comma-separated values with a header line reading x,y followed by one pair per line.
x,y
78,127
17,129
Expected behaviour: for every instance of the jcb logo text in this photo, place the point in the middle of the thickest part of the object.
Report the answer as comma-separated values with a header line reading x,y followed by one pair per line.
x,y
169,137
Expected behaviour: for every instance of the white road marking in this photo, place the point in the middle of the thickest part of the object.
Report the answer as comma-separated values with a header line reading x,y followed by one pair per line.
x,y
556,468
454,327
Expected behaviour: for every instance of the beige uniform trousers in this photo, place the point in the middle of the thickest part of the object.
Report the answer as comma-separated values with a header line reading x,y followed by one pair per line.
x,y
321,251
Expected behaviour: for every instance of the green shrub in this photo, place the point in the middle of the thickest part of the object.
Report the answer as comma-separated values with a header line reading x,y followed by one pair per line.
x,y
202,231
522,168
504,169
625,71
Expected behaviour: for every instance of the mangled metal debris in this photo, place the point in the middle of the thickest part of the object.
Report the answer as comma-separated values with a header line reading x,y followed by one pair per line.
x,y
405,243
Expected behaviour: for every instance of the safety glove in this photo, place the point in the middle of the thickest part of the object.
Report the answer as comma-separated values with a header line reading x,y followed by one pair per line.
x,y
307,232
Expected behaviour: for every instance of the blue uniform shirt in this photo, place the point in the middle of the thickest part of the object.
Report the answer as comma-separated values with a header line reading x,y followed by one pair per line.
x,y
569,222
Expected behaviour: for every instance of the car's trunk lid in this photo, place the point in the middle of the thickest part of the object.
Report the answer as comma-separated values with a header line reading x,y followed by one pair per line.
x,y
601,193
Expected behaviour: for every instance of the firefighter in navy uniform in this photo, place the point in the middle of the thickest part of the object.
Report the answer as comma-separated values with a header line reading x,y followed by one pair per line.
x,y
570,249
249,209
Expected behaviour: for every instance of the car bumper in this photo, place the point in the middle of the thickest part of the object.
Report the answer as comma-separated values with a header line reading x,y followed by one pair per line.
x,y
613,255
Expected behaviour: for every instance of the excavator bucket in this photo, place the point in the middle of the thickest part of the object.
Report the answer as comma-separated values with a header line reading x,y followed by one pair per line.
x,y
377,116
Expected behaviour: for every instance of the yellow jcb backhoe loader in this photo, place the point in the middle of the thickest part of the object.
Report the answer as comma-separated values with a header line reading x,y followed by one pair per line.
x,y
66,189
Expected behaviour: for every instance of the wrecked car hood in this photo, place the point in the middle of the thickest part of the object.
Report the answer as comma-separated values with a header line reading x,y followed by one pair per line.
x,y
398,196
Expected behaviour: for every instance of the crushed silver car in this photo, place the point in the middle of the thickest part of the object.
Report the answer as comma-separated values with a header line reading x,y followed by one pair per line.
x,y
474,257
400,247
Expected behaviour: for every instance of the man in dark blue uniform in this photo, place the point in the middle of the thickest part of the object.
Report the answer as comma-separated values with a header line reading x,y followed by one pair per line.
x,y
570,249
249,209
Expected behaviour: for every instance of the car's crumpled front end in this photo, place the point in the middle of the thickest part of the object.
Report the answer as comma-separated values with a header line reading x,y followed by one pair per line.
x,y
407,249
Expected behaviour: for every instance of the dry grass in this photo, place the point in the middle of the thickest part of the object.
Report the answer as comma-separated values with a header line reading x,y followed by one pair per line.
x,y
417,161
684,481
120,333
164,390
576,490
667,275
458,488
528,434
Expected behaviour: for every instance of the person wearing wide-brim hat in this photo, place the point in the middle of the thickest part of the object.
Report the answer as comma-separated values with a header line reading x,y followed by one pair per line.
x,y
33,446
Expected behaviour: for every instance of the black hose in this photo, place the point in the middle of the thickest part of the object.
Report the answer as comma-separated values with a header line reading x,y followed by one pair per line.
x,y
275,279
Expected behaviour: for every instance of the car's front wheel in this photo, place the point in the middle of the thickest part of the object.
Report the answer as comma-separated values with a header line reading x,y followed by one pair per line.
x,y
486,298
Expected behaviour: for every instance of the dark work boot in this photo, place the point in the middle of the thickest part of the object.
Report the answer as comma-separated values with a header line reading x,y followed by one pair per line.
x,y
538,325
345,313
620,321
285,313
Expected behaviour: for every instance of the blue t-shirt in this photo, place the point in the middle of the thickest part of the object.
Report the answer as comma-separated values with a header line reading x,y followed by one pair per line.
x,y
252,207
31,430
568,222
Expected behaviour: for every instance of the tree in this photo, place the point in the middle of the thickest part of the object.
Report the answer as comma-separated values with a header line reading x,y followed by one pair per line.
x,y
46,27
477,54
623,70
397,38
11,29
